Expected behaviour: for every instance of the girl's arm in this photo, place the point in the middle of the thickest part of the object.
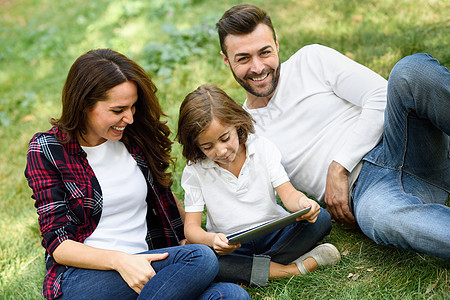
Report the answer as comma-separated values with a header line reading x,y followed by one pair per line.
x,y
295,200
136,270
197,235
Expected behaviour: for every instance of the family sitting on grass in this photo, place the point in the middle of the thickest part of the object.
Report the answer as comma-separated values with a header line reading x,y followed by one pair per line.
x,y
374,153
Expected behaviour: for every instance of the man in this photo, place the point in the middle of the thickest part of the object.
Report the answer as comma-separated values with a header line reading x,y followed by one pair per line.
x,y
326,113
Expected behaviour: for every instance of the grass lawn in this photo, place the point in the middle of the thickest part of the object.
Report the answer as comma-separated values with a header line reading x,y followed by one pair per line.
x,y
176,42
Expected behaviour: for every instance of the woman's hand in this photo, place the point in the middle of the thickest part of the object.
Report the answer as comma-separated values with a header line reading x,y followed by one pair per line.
x,y
221,246
136,270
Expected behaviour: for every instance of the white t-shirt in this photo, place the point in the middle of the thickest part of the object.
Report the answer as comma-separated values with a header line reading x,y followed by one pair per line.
x,y
232,203
122,225
326,107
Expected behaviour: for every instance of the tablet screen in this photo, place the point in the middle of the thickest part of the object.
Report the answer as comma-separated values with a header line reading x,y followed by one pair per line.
x,y
266,228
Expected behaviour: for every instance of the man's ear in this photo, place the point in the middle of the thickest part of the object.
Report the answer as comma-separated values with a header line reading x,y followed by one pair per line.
x,y
276,43
225,59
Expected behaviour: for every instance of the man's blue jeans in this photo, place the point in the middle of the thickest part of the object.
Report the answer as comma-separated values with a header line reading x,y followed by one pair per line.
x,y
399,198
186,273
250,263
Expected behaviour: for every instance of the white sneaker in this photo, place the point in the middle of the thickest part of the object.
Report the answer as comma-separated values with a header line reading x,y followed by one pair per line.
x,y
324,254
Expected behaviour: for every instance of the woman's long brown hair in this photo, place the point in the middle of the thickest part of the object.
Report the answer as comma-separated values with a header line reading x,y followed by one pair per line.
x,y
91,76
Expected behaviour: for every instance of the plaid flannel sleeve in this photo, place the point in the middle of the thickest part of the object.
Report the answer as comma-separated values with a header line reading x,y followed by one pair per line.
x,y
49,192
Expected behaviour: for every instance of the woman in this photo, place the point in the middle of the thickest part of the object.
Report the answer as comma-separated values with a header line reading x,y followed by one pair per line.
x,y
102,191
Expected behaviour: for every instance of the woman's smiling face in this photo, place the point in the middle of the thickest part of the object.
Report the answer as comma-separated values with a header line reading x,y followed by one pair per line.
x,y
108,119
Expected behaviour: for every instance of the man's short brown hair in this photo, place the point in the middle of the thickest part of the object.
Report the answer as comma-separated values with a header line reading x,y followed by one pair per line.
x,y
241,19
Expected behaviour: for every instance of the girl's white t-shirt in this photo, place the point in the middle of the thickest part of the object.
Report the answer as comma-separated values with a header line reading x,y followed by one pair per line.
x,y
237,203
122,225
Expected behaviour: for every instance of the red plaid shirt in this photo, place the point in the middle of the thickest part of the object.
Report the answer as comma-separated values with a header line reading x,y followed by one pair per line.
x,y
69,200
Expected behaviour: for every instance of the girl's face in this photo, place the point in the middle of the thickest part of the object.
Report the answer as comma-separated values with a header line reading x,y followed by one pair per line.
x,y
107,119
220,143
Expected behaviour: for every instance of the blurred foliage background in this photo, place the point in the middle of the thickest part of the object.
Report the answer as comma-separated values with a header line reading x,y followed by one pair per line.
x,y
176,42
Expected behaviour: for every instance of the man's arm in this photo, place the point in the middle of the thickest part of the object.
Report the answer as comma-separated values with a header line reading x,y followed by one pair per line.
x,y
367,90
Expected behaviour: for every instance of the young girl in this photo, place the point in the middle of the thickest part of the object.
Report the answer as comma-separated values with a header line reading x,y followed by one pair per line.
x,y
235,175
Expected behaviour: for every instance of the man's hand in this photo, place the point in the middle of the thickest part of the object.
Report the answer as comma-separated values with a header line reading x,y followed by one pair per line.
x,y
336,194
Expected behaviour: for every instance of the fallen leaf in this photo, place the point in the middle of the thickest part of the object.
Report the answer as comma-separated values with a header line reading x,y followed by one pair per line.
x,y
357,18
353,276
345,252
27,118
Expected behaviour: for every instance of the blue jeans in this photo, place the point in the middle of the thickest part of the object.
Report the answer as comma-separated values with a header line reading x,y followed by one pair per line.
x,y
250,263
186,273
402,189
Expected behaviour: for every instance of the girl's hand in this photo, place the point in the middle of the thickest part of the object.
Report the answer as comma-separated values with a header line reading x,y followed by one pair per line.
x,y
312,215
136,270
220,244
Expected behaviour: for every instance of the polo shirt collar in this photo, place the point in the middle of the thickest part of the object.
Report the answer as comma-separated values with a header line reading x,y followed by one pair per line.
x,y
207,163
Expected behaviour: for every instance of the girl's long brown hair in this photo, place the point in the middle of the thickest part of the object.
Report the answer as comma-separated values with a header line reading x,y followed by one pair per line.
x,y
91,76
198,110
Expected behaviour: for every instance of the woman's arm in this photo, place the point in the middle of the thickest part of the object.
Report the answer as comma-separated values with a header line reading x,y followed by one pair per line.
x,y
136,270
295,200
44,158
196,234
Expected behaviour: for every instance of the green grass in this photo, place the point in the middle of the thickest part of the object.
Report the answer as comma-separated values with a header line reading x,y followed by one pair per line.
x,y
175,42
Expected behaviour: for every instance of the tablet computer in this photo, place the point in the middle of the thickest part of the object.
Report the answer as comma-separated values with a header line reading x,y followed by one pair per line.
x,y
266,228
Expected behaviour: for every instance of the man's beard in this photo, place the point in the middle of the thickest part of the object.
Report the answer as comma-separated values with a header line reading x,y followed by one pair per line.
x,y
251,90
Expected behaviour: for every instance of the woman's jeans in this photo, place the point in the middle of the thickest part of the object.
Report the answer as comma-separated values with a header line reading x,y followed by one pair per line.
x,y
250,263
186,273
402,189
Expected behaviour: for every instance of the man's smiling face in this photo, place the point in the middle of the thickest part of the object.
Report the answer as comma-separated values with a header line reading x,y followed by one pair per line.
x,y
254,61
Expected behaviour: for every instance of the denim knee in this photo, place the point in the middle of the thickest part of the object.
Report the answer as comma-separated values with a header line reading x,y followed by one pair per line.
x,y
409,71
207,257
413,66
421,83
324,222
